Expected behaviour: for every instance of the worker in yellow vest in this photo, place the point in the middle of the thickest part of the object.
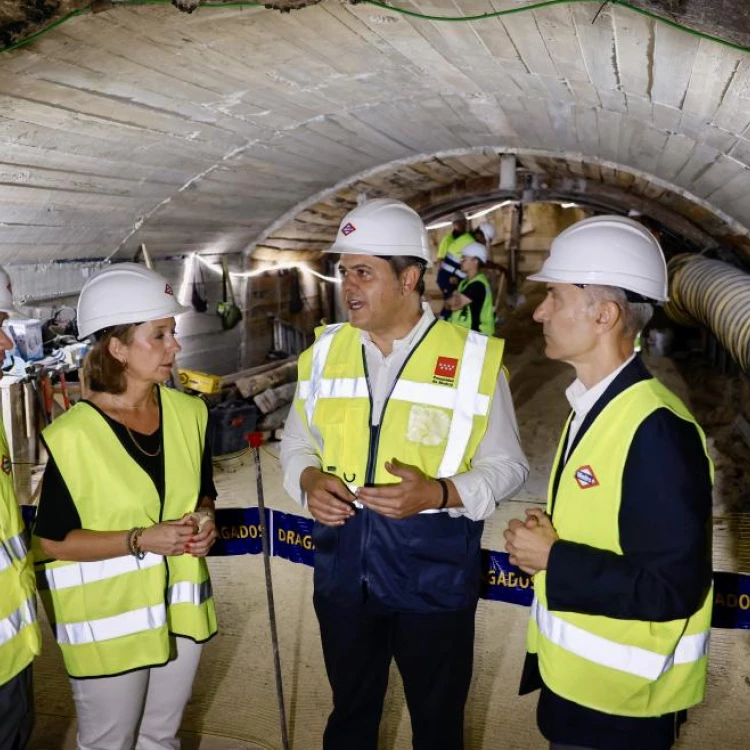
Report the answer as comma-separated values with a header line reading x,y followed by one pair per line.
x,y
402,440
449,255
20,640
471,304
125,520
621,557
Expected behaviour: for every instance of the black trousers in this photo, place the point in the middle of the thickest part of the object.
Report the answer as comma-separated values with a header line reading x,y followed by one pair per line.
x,y
16,711
434,654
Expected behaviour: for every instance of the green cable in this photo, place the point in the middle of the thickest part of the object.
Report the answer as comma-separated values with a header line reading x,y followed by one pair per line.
x,y
82,11
413,14
547,4
39,33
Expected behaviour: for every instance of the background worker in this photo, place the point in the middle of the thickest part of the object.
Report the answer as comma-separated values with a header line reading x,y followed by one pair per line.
x,y
471,304
20,640
126,517
485,235
619,629
384,452
449,255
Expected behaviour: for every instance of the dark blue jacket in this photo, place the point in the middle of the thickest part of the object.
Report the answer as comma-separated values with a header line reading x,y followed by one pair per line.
x,y
426,563
662,575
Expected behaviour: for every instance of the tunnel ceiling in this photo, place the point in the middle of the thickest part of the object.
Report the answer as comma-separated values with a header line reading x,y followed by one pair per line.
x,y
213,131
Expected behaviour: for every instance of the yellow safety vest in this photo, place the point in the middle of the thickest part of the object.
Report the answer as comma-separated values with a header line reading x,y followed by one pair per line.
x,y
116,615
453,247
622,667
434,417
463,317
20,639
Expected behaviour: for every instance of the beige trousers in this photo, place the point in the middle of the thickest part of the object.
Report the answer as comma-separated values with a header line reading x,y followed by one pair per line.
x,y
141,709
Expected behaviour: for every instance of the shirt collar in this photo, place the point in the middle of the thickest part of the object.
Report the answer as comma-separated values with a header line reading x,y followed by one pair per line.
x,y
582,400
414,335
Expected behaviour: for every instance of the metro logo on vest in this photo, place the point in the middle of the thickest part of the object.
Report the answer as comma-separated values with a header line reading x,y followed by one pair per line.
x,y
6,464
586,478
445,371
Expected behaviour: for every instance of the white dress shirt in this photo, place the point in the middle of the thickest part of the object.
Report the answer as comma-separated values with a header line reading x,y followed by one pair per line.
x,y
582,401
498,469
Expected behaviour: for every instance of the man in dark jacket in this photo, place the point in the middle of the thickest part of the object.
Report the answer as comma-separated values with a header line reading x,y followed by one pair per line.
x,y
618,636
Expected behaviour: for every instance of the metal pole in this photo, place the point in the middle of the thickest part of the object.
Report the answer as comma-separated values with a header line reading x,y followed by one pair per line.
x,y
255,439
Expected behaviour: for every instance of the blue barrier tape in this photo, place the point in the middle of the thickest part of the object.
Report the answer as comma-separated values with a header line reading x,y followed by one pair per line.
x,y
291,539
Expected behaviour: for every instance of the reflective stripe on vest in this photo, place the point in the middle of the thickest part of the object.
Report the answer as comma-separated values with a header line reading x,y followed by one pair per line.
x,y
77,574
12,549
463,411
320,355
186,592
631,659
15,622
464,400
427,394
107,628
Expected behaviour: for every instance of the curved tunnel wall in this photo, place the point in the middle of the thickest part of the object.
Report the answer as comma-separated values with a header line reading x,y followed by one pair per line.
x,y
196,133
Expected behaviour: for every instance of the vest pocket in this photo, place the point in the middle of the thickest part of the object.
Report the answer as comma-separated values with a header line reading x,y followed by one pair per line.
x,y
439,569
325,540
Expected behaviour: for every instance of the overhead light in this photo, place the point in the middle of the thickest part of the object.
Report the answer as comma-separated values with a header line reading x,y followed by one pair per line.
x,y
477,215
269,266
438,225
489,210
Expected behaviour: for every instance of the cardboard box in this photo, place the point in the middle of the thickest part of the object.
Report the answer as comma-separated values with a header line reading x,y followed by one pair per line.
x,y
202,382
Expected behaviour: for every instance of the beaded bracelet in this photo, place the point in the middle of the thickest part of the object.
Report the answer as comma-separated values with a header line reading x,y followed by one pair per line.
x,y
133,546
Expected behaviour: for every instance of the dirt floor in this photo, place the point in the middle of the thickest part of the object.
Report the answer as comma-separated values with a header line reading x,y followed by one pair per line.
x,y
234,699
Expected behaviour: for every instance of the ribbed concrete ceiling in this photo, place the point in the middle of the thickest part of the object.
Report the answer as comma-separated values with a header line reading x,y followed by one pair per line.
x,y
211,131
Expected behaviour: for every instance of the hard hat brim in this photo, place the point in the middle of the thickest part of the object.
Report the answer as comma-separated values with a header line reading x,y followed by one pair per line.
x,y
389,252
143,317
593,278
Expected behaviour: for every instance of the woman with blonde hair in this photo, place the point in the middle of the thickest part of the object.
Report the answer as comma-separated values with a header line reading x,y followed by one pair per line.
x,y
126,518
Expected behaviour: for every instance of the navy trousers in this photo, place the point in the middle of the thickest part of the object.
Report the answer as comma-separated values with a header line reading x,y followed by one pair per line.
x,y
433,652
16,711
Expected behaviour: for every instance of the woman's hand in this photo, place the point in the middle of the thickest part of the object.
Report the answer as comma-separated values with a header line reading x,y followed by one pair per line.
x,y
169,537
205,534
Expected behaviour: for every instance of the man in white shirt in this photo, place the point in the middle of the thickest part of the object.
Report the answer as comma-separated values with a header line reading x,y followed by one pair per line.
x,y
402,441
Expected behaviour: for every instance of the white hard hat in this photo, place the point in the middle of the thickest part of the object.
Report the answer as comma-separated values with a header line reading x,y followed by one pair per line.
x,y
610,251
6,294
475,250
124,293
383,227
488,230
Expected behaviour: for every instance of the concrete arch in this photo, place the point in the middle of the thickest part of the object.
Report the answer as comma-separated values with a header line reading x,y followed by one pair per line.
x,y
198,133
565,176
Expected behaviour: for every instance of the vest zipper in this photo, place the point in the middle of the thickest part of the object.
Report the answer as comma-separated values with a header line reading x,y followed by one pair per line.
x,y
372,453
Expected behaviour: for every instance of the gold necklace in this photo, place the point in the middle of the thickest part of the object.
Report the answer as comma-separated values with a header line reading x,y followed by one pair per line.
x,y
137,445
132,437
